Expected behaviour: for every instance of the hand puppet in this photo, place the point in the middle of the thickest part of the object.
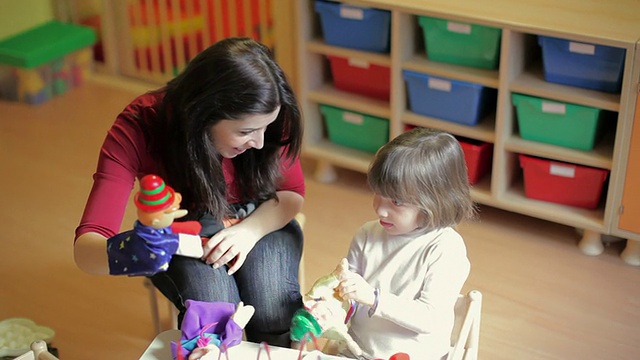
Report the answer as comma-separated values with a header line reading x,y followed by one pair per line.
x,y
148,248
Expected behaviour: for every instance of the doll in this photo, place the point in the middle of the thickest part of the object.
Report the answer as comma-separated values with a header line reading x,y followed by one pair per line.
x,y
155,238
210,328
325,314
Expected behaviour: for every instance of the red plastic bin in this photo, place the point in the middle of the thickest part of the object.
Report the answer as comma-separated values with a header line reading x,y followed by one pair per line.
x,y
478,156
562,183
360,77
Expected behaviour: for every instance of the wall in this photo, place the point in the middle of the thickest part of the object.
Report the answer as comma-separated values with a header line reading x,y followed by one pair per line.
x,y
19,15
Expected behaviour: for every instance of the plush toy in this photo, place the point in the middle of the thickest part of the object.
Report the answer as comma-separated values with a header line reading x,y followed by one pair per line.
x,y
325,314
210,328
155,238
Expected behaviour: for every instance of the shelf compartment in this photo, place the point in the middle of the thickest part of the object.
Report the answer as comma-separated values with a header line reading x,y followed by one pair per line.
x,y
420,63
354,129
460,43
559,123
580,64
452,100
600,156
355,27
339,155
514,200
532,82
562,183
478,156
481,191
328,94
360,77
483,131
317,46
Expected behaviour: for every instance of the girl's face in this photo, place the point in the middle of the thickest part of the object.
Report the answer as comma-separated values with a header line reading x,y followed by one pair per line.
x,y
397,218
233,137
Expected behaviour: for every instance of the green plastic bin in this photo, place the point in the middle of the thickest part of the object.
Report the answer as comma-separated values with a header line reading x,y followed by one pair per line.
x,y
461,43
355,130
45,43
558,123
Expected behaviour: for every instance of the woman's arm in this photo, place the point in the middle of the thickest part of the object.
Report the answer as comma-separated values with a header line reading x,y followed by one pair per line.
x,y
123,155
232,245
272,215
90,254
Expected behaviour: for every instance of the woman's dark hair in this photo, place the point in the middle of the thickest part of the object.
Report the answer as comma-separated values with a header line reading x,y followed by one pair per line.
x,y
231,79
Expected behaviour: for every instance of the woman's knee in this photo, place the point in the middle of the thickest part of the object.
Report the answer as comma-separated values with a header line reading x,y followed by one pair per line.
x,y
189,278
282,245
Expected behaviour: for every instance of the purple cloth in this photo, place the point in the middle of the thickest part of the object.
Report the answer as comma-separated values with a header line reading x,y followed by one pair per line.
x,y
215,318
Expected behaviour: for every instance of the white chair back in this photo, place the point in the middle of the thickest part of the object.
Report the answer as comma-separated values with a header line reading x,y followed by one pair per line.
x,y
466,330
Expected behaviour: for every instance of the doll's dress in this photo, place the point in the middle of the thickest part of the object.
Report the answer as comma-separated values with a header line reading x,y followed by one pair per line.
x,y
206,323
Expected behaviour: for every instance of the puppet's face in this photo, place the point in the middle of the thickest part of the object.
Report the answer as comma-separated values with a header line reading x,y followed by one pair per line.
x,y
163,218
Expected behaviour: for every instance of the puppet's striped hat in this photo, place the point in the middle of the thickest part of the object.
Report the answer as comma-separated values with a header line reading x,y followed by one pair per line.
x,y
154,194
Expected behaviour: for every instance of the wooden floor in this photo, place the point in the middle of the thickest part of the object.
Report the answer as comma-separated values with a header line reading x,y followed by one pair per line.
x,y
543,299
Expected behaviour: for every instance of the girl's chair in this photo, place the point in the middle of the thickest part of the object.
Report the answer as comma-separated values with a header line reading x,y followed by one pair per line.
x,y
173,312
466,329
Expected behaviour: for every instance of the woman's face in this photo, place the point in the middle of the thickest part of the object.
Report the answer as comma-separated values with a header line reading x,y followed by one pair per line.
x,y
233,137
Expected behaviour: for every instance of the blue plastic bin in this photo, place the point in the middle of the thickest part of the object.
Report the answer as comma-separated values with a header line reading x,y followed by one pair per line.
x,y
584,65
354,27
446,99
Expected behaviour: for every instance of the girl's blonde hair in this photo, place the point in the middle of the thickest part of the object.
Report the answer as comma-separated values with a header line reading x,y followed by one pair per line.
x,y
425,168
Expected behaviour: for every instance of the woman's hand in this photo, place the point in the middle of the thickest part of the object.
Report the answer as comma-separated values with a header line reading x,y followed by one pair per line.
x,y
230,246
355,287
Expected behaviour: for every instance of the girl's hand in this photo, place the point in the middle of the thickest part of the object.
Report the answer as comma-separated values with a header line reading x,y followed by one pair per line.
x,y
355,287
229,246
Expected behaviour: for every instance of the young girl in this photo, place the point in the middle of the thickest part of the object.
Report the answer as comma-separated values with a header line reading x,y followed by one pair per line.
x,y
407,268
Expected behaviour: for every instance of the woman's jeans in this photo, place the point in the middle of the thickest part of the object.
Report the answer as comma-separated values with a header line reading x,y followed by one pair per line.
x,y
268,280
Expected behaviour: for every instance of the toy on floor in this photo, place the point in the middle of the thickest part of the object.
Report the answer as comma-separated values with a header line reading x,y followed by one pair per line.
x,y
325,314
210,328
155,238
17,334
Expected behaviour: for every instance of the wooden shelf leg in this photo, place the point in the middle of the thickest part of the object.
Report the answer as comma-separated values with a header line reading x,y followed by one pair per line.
x,y
631,253
591,243
325,172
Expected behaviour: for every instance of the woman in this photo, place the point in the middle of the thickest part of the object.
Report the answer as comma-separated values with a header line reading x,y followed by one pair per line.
x,y
226,133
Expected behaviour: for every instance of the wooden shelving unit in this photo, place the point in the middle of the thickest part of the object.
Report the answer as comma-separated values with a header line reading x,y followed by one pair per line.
x,y
520,71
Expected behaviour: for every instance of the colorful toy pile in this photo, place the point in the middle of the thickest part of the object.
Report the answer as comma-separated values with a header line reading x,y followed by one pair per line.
x,y
45,61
